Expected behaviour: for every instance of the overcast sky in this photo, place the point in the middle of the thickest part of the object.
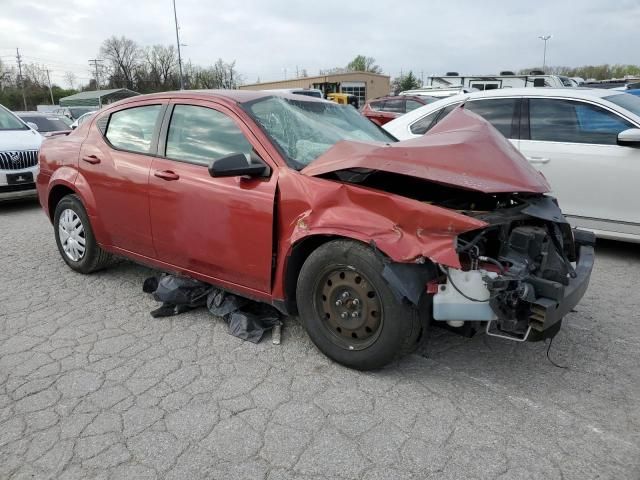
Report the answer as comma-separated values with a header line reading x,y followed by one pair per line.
x,y
265,37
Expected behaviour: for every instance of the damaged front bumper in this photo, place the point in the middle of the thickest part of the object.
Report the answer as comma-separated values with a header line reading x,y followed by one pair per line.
x,y
516,303
555,300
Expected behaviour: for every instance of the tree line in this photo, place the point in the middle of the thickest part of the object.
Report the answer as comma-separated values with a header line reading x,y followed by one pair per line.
x,y
155,68
595,72
122,63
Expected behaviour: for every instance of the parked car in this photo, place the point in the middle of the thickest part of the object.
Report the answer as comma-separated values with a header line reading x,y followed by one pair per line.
x,y
585,142
19,146
384,109
48,124
81,119
305,204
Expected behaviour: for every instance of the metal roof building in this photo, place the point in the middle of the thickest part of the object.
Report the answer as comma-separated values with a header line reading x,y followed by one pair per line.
x,y
364,85
96,98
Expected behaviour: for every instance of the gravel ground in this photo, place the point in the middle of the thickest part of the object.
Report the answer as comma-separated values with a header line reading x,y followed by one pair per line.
x,y
92,387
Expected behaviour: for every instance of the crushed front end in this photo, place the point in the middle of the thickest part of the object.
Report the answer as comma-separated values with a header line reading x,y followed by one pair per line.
x,y
521,274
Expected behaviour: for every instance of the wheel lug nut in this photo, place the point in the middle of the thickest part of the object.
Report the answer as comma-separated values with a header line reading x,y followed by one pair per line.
x,y
345,295
355,315
344,315
356,301
338,303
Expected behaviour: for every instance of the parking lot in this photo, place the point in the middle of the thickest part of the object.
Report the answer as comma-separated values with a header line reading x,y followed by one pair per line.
x,y
93,387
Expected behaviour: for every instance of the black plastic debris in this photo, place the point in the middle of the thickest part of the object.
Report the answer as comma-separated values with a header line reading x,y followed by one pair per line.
x,y
252,321
247,319
177,294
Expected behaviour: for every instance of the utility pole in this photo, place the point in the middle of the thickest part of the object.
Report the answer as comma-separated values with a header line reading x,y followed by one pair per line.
x,y
545,39
50,91
175,17
95,63
19,60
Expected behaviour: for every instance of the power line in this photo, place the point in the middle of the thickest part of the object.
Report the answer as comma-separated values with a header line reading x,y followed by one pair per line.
x,y
175,16
19,60
50,90
95,62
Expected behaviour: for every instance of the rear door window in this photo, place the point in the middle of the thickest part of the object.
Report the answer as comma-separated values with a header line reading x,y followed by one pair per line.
x,y
412,105
132,129
377,106
426,123
395,105
498,111
423,125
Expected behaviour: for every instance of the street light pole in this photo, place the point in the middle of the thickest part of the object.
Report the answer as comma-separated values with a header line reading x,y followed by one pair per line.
x,y
545,39
175,17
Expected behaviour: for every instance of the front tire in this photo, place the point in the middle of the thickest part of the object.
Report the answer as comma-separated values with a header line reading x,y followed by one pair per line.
x,y
349,311
74,236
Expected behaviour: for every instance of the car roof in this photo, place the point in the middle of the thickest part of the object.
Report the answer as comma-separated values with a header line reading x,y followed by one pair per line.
x,y
37,114
397,97
575,93
236,96
543,92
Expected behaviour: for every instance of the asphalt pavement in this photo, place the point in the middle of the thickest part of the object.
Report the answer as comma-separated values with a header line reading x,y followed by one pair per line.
x,y
91,386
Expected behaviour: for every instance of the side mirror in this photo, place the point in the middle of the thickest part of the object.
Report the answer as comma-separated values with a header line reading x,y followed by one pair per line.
x,y
33,126
237,165
629,138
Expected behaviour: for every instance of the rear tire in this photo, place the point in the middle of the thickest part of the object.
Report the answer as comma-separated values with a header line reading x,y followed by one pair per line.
x,y
349,311
74,236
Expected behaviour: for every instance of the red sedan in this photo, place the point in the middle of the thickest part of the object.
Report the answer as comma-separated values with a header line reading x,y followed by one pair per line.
x,y
304,204
384,109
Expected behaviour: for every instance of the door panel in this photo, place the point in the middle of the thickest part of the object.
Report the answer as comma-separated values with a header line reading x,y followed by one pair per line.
x,y
593,178
221,228
594,181
118,179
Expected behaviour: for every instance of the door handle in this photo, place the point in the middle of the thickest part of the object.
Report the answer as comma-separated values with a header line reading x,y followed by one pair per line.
x,y
92,159
166,175
538,159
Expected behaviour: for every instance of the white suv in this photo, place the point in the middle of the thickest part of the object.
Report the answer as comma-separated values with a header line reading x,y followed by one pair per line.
x,y
19,146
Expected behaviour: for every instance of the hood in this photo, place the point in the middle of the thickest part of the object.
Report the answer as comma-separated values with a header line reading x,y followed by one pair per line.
x,y
463,150
16,140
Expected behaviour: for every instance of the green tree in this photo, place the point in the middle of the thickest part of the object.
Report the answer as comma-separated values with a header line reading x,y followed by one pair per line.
x,y
405,82
364,64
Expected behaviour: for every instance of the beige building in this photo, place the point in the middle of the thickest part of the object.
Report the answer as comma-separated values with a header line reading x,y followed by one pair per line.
x,y
364,85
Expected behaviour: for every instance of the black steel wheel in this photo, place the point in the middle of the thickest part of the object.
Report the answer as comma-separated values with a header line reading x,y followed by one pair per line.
x,y
348,309
350,305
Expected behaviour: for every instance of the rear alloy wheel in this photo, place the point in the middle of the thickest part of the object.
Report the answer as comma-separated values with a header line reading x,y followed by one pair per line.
x,y
348,309
74,237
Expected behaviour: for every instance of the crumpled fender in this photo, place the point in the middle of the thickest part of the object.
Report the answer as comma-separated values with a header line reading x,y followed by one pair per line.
x,y
406,230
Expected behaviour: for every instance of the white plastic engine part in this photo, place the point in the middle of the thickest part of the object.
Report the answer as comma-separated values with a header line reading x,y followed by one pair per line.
x,y
451,305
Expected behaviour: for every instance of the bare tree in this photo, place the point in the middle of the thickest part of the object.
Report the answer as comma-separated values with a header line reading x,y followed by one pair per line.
x,y
70,78
161,62
7,75
35,75
123,55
